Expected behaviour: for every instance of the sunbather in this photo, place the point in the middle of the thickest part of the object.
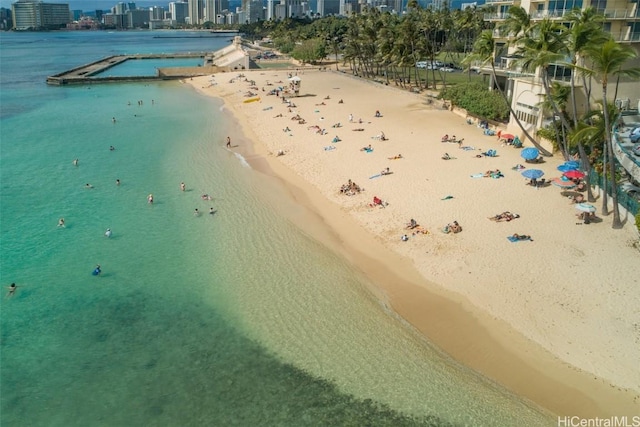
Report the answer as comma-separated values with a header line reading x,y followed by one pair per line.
x,y
517,236
399,156
367,148
412,224
386,172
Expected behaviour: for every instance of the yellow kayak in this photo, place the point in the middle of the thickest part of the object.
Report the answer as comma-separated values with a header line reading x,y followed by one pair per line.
x,y
246,101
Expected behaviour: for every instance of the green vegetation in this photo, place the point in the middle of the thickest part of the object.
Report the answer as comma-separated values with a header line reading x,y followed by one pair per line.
x,y
477,100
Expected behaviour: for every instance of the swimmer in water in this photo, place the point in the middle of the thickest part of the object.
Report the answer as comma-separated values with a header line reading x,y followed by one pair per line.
x,y
97,270
112,148
75,162
113,119
61,222
182,186
150,198
117,182
108,232
87,185
196,212
12,289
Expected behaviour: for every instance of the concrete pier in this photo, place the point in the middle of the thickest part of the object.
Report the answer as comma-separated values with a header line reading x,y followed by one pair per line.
x,y
85,74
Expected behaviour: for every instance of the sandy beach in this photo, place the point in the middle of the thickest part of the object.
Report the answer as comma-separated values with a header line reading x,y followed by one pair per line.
x,y
555,319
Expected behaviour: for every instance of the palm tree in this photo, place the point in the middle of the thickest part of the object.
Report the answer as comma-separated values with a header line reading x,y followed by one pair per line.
x,y
543,45
484,51
607,59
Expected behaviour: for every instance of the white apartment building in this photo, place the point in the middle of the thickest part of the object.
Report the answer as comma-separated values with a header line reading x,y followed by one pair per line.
x,y
36,15
622,20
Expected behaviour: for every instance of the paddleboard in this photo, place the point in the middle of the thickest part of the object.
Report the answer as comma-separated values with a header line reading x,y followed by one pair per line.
x,y
246,101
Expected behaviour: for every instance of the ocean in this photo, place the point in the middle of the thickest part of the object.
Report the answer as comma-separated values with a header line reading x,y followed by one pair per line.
x,y
232,318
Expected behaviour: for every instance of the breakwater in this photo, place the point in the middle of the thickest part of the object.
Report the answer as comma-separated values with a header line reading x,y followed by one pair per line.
x,y
88,73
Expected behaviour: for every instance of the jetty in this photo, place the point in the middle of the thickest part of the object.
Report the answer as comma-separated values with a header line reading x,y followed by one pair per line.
x,y
232,57
90,73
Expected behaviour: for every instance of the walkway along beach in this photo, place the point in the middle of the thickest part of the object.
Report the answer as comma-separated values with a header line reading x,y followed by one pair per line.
x,y
555,319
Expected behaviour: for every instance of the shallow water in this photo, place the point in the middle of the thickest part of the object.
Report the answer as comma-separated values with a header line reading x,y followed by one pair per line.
x,y
233,318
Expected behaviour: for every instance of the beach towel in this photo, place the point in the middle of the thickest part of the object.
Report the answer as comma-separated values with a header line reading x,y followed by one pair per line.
x,y
515,239
369,150
267,108
477,175
329,148
467,148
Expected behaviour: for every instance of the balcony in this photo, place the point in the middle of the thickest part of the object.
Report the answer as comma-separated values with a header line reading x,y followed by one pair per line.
x,y
496,16
620,14
625,37
610,14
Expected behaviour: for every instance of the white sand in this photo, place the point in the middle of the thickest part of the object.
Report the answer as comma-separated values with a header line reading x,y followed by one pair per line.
x,y
574,289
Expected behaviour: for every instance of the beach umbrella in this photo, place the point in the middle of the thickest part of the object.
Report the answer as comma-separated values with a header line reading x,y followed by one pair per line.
x,y
572,163
563,182
506,136
566,168
532,173
529,153
574,174
585,207
294,79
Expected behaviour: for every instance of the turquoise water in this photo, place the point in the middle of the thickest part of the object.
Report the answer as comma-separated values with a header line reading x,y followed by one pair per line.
x,y
237,318
148,67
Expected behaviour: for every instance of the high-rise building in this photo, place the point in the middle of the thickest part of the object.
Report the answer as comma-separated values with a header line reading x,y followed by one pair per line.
x,y
196,12
36,15
156,12
179,11
253,10
213,8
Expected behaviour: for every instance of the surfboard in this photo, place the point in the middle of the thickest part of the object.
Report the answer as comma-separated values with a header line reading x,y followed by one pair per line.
x,y
246,101
375,176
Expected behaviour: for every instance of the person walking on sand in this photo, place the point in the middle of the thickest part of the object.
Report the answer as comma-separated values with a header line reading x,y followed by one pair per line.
x,y
228,142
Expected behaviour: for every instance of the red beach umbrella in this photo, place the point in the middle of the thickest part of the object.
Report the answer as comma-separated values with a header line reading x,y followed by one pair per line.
x,y
574,174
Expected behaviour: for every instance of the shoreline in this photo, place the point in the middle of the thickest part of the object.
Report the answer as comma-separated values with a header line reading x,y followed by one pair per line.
x,y
481,341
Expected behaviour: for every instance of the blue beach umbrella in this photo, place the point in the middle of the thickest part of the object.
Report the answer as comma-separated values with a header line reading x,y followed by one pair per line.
x,y
533,173
567,167
572,163
529,153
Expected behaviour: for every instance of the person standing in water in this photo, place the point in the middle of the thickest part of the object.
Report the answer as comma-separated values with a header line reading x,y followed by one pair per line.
x,y
108,232
61,222
150,199
12,289
182,186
